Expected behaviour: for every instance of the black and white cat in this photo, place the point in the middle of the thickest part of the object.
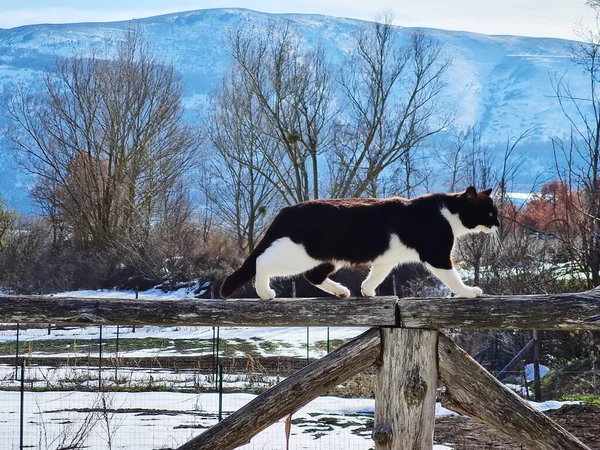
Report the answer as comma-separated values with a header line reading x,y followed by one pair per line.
x,y
318,237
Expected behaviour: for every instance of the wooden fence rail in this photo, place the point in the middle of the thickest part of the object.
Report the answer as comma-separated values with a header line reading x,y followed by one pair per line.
x,y
580,311
409,351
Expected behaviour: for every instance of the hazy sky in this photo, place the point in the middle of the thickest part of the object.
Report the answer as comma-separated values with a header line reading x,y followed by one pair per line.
x,y
552,18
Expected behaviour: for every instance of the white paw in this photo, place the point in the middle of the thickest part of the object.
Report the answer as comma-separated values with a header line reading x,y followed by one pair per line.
x,y
342,292
366,291
266,294
470,292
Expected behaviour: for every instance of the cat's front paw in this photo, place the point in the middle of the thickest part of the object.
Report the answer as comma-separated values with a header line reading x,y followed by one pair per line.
x,y
470,292
342,292
366,291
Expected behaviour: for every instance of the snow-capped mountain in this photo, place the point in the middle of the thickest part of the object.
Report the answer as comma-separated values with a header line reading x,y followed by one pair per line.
x,y
501,82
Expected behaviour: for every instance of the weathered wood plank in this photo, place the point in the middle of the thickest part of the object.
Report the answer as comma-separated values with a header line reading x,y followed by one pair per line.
x,y
291,394
473,391
360,312
406,390
578,311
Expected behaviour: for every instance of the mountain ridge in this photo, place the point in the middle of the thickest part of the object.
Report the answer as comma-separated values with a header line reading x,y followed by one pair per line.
x,y
501,82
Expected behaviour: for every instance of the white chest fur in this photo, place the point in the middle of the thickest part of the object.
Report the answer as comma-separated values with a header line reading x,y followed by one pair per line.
x,y
458,229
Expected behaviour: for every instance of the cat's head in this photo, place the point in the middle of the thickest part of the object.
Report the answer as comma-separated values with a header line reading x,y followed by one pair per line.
x,y
478,212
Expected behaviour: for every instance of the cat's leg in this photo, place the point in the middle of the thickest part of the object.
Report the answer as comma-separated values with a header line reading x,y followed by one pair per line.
x,y
263,285
377,274
451,278
283,258
319,276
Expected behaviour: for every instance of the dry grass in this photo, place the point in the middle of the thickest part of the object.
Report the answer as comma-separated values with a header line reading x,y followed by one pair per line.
x,y
359,386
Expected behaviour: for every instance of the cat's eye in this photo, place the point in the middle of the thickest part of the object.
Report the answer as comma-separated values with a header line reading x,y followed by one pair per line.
x,y
491,214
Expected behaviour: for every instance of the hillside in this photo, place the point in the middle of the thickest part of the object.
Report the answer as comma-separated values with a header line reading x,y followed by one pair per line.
x,y
502,82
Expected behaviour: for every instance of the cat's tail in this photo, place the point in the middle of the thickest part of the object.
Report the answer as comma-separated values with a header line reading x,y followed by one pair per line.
x,y
245,273
239,278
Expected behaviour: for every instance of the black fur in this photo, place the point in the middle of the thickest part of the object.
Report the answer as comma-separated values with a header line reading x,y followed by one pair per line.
x,y
358,230
317,275
245,273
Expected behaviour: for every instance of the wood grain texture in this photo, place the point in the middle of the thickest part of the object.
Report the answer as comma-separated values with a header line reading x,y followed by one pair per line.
x,y
473,391
291,394
406,390
329,311
578,311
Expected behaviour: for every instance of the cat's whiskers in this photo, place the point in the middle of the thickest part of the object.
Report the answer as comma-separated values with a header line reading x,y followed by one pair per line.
x,y
495,241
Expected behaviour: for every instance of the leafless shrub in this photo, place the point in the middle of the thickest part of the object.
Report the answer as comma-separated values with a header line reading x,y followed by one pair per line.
x,y
70,436
104,137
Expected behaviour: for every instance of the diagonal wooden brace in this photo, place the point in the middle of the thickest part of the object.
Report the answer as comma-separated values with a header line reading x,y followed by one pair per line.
x,y
291,394
473,391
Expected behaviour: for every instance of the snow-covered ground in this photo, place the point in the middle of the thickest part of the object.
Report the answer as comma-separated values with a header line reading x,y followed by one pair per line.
x,y
166,419
160,418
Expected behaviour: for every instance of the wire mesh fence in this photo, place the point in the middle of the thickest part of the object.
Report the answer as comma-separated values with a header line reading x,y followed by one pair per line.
x,y
152,387
157,387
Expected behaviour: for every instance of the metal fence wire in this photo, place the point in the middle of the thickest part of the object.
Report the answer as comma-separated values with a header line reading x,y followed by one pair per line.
x,y
149,387
157,387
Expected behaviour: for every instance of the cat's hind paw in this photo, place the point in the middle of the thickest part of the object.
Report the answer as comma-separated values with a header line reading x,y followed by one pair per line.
x,y
471,292
266,294
335,288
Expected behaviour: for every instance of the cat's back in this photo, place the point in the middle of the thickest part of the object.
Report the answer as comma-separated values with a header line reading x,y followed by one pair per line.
x,y
338,216
355,230
345,208
357,209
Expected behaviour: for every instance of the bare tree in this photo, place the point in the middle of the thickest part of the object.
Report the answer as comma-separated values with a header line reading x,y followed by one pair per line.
x,y
578,158
468,161
238,179
454,158
393,94
480,160
475,171
578,227
292,91
105,138
165,249
478,251
505,176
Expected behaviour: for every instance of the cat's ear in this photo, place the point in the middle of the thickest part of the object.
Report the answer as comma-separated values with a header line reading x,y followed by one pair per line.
x,y
470,193
487,192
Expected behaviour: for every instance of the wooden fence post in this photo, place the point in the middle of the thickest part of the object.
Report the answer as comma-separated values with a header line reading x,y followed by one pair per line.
x,y
406,390
536,367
